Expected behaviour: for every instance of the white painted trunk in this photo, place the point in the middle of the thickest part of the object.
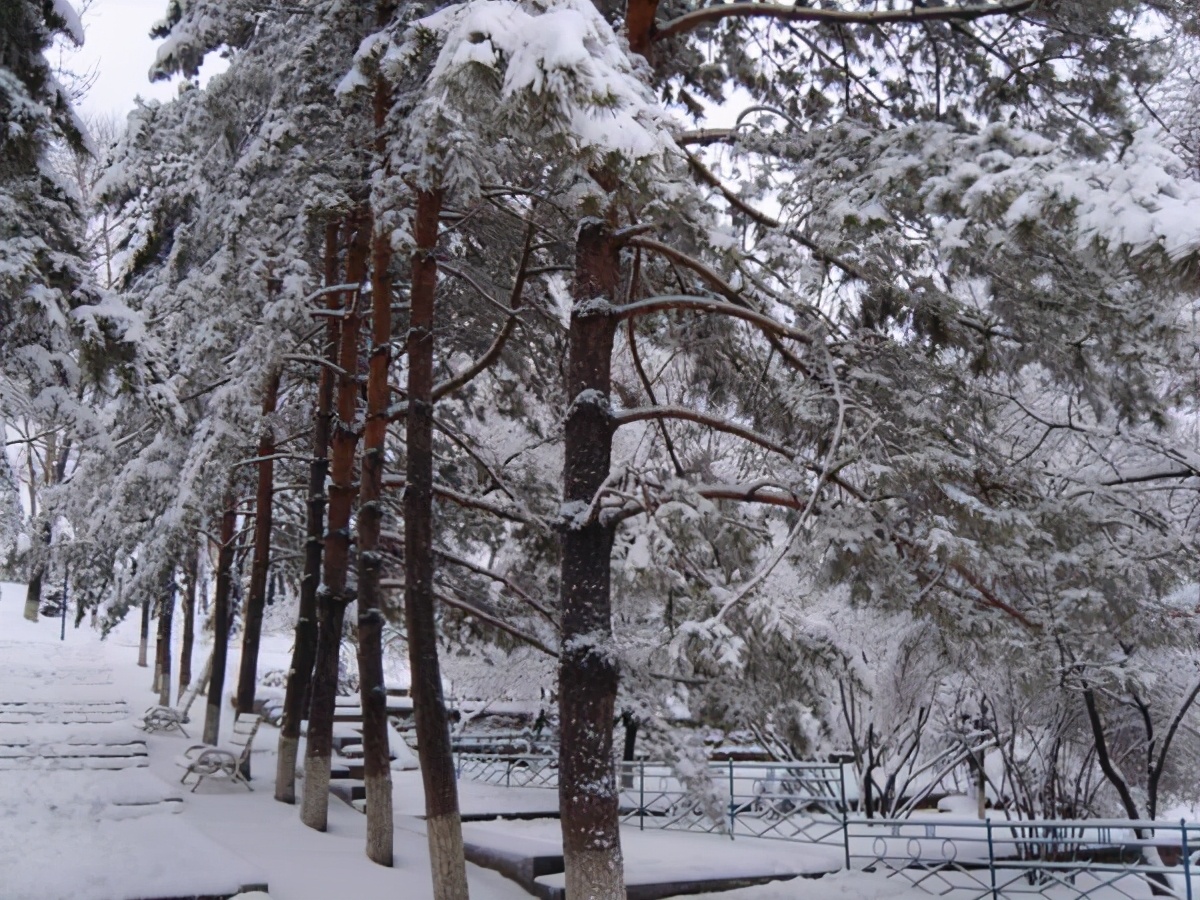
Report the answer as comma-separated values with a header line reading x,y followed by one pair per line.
x,y
314,810
594,874
379,818
285,770
31,608
446,857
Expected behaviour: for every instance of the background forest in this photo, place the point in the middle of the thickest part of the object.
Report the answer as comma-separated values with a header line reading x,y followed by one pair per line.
x,y
824,374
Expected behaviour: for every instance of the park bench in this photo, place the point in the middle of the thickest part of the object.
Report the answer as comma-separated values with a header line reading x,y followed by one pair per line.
x,y
164,718
205,760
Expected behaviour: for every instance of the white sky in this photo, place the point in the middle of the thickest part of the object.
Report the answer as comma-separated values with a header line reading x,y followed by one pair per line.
x,y
117,45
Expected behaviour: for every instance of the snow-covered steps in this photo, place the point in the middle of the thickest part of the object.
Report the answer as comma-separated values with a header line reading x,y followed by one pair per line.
x,y
62,712
657,863
40,745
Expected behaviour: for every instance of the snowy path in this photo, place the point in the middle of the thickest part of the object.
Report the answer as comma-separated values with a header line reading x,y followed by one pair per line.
x,y
73,831
81,815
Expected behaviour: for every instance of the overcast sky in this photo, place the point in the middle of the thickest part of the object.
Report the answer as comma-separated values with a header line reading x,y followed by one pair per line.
x,y
118,47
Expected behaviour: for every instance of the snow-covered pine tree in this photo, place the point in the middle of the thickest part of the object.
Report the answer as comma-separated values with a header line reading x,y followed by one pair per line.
x,y
55,327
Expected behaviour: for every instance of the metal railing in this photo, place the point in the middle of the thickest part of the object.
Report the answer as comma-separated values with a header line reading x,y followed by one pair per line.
x,y
518,770
964,859
1064,859
786,801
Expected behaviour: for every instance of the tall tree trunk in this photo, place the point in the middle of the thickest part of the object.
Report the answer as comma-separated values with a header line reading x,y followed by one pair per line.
x,y
166,613
587,674
33,592
252,614
304,646
190,574
144,642
377,771
442,819
333,596
54,471
216,681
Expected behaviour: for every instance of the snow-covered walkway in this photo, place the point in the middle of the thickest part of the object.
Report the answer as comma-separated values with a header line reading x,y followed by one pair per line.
x,y
75,825
81,815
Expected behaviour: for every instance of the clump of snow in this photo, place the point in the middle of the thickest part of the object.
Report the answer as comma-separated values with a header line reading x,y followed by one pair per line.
x,y
73,26
534,76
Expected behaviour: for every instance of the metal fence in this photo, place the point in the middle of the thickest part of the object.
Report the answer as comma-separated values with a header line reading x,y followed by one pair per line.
x,y
1063,859
964,859
786,801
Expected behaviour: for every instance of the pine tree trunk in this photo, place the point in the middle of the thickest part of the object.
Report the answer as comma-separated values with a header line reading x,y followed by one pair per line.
x,y
333,596
216,681
377,771
143,643
304,647
252,615
189,622
166,614
429,709
33,593
588,675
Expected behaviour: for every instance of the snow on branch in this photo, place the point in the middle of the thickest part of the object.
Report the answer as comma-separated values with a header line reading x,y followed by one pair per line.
x,y
667,302
553,76
914,14
715,422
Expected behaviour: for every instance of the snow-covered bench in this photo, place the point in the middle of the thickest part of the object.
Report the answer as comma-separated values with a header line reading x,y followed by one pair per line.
x,y
205,760
164,718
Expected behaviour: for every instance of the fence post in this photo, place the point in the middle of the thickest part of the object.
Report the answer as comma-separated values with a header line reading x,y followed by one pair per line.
x,y
642,795
1185,853
732,806
991,859
845,813
508,773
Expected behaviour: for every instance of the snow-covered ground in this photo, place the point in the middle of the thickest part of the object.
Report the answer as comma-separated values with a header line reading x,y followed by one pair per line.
x,y
91,808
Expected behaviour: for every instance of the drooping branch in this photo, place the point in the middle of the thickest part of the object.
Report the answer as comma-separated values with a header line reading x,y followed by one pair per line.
x,y
516,591
469,502
669,302
495,622
715,422
914,14
761,218
493,352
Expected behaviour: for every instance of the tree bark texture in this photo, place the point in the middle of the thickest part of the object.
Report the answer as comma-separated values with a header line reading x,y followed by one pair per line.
x,y
256,599
588,673
144,640
220,651
33,592
429,708
166,615
188,642
333,597
377,771
304,646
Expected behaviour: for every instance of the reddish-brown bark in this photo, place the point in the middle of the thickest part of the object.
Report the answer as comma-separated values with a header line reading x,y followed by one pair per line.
x,y
216,683
377,773
263,507
588,673
332,596
304,647
429,709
